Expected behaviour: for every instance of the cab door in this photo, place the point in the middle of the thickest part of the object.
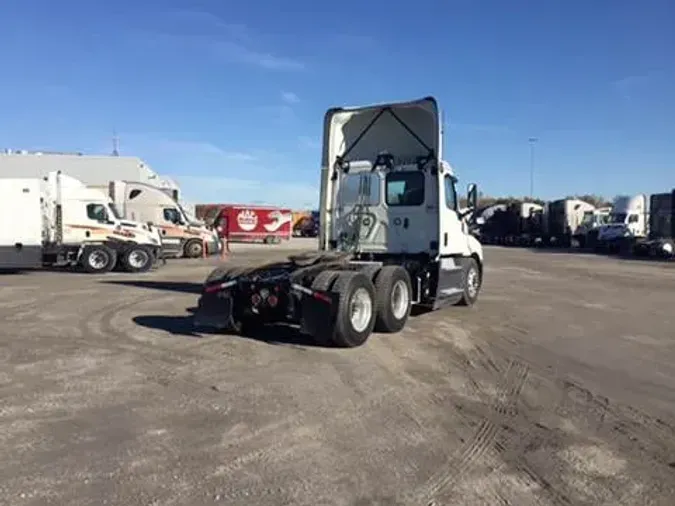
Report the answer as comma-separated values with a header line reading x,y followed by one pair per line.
x,y
452,245
86,221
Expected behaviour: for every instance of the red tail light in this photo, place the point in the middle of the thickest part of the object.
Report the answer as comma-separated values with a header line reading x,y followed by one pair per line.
x,y
322,297
255,299
272,300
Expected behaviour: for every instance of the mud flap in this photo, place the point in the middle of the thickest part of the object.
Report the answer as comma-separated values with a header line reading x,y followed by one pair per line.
x,y
449,288
214,311
318,316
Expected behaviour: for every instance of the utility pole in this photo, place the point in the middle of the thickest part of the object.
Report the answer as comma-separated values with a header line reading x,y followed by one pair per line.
x,y
116,144
532,141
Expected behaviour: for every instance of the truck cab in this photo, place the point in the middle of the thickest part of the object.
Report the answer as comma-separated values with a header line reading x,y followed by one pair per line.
x,y
629,218
181,235
387,195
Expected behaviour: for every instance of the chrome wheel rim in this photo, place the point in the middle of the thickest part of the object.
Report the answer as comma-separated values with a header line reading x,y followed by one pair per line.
x,y
138,258
472,282
400,299
98,259
360,309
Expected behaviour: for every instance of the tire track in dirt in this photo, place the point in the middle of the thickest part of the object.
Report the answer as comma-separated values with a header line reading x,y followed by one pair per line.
x,y
603,419
504,405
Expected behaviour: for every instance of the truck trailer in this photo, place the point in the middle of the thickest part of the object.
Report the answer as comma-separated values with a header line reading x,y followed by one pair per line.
x,y
391,236
56,221
250,224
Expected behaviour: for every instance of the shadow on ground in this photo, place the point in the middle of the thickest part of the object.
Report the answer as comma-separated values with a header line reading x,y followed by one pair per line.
x,y
279,334
167,286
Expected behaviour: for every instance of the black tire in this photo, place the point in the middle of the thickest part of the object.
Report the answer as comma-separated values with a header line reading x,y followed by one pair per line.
x,y
98,259
194,248
388,285
138,258
347,285
223,274
314,322
472,281
269,239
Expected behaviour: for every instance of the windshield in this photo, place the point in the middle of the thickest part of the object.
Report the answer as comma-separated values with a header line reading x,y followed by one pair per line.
x,y
114,211
617,218
185,215
588,218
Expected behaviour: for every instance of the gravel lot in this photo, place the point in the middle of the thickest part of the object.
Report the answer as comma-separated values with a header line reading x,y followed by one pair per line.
x,y
557,388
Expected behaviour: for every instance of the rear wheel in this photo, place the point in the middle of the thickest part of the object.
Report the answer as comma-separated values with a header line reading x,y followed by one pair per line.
x,y
98,259
137,259
355,318
393,295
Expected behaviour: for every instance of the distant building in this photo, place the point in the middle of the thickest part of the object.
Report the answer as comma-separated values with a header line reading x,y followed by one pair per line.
x,y
92,170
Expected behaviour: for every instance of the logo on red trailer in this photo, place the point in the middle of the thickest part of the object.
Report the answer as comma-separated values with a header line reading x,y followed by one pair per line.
x,y
247,220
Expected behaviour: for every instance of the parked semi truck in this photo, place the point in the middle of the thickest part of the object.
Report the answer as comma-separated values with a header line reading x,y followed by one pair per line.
x,y
182,236
562,219
641,225
391,236
586,234
58,221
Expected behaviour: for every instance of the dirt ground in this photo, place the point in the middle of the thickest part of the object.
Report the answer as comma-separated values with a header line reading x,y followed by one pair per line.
x,y
557,388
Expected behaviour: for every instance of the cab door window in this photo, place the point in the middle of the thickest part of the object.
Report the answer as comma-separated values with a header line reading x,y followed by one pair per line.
x,y
171,215
97,212
450,193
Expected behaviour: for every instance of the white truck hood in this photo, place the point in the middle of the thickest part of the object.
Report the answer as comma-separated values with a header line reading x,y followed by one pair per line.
x,y
405,130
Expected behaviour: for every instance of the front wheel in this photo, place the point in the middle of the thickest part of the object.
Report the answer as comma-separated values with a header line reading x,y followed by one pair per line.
x,y
471,283
194,249
137,259
98,259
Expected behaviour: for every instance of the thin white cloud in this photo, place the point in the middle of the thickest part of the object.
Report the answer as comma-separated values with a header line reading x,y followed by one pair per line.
x,y
238,53
201,149
280,114
202,20
478,128
630,86
206,33
309,142
207,189
289,97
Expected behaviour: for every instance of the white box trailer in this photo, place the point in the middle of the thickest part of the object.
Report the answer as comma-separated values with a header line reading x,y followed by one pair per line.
x,y
21,233
58,221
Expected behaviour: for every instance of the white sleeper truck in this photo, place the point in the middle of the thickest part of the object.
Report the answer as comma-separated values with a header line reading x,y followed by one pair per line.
x,y
391,236
58,221
181,235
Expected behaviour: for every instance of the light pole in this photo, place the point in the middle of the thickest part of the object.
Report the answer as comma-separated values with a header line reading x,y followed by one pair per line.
x,y
532,141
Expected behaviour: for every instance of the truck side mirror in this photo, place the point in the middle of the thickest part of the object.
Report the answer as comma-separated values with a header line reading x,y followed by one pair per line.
x,y
472,196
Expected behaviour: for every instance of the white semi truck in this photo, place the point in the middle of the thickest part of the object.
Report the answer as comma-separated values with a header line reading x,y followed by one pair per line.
x,y
58,221
587,233
182,235
640,224
391,236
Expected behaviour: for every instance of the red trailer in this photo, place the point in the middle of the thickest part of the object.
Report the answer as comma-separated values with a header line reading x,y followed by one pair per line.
x,y
241,223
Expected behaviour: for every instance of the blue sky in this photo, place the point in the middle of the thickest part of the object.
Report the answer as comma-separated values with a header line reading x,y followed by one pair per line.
x,y
228,97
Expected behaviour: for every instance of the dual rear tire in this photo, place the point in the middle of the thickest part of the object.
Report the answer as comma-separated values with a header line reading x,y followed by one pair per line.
x,y
362,306
100,259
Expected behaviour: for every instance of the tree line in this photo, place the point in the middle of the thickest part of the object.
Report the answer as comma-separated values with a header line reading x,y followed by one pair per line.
x,y
486,200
